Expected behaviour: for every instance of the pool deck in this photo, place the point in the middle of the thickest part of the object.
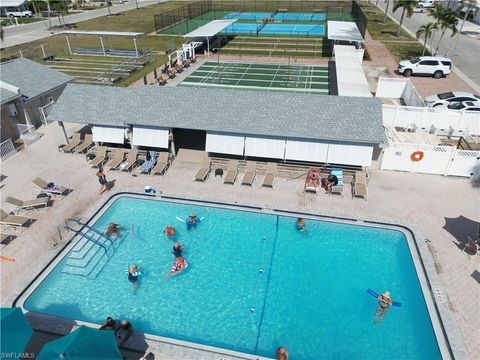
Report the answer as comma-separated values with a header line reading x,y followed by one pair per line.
x,y
421,202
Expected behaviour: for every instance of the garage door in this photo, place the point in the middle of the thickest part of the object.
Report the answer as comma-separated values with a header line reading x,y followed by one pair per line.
x,y
223,143
152,137
108,134
267,147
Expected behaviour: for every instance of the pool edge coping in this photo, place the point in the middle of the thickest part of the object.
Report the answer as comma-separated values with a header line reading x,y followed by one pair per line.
x,y
446,332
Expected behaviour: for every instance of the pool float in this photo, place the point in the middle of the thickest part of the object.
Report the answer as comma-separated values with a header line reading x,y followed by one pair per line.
x,y
175,265
374,294
136,273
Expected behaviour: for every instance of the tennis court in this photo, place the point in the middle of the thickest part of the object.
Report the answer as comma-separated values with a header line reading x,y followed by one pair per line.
x,y
275,29
277,77
289,16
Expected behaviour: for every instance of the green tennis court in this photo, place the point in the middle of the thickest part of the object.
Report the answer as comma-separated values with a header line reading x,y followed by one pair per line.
x,y
299,78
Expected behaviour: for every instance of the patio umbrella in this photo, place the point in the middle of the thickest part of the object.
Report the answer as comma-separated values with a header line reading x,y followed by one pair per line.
x,y
16,331
461,227
83,343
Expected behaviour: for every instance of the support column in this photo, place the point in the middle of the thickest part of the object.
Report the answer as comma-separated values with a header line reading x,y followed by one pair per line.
x,y
136,49
208,46
103,47
68,44
60,123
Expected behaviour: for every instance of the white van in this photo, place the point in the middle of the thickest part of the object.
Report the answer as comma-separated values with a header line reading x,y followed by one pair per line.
x,y
425,4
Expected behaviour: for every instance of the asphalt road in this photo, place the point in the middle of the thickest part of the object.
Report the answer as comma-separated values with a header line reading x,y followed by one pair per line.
x,y
20,34
467,54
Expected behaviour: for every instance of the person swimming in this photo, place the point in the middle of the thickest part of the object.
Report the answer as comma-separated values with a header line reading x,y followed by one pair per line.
x,y
178,249
170,231
281,353
133,274
112,229
384,303
178,266
300,225
192,221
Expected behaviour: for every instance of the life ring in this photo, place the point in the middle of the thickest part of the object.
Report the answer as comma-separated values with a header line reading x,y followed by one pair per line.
x,y
417,155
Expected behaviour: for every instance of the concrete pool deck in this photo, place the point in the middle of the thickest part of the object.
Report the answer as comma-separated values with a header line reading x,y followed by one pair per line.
x,y
422,202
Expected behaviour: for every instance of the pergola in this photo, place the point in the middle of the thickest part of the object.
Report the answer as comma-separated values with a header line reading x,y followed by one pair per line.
x,y
101,35
209,30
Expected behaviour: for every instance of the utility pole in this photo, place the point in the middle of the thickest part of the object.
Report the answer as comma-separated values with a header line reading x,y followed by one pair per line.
x,y
49,18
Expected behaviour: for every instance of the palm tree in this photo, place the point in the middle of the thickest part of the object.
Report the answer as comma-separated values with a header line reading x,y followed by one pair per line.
x,y
426,31
470,5
407,6
437,12
386,10
447,21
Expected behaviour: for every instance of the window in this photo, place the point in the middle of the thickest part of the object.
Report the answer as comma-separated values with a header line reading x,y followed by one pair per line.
x,y
447,63
414,61
456,106
12,109
444,96
473,109
460,99
429,62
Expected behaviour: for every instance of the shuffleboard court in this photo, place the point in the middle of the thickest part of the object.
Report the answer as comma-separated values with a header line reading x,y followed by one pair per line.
x,y
252,76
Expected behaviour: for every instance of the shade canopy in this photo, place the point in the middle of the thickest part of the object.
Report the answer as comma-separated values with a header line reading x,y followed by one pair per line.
x,y
351,79
210,29
344,31
16,331
83,343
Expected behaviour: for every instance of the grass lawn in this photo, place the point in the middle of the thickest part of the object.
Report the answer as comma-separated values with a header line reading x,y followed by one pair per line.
x,y
21,20
403,46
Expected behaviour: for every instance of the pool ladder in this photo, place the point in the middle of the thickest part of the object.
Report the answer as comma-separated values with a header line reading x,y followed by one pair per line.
x,y
91,253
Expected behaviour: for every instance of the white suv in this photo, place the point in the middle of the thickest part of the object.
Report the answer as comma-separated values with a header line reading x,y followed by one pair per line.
x,y
426,65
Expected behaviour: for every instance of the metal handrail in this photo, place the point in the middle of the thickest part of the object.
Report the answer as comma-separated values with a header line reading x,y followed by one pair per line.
x,y
91,229
78,232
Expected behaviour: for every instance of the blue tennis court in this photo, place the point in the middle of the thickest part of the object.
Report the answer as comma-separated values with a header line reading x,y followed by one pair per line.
x,y
276,29
293,16
248,15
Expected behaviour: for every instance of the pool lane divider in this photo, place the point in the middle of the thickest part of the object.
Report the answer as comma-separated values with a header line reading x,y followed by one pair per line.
x,y
268,283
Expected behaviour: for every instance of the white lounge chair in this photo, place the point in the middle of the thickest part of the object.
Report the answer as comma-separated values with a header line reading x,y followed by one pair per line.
x,y
250,173
162,163
13,221
28,204
270,175
232,172
204,170
54,190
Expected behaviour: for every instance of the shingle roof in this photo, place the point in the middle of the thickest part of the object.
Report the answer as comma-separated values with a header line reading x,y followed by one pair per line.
x,y
31,78
7,95
246,112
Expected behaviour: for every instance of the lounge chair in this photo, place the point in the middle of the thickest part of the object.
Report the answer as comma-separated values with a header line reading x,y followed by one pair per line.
x,y
148,164
162,164
161,80
337,189
360,184
270,175
74,142
471,247
87,144
312,182
250,173
204,170
54,190
119,155
99,157
14,221
130,161
232,172
28,204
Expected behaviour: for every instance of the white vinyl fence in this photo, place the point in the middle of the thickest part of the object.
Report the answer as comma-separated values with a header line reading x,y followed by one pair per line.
x,y
7,149
399,89
433,120
442,160
28,133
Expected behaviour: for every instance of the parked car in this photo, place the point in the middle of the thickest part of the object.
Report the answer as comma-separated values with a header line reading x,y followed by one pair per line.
x,y
426,65
450,97
19,13
464,105
425,4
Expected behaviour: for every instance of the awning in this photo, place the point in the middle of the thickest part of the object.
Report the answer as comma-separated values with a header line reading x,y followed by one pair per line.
x,y
151,137
210,29
267,147
223,143
306,150
344,30
351,79
108,134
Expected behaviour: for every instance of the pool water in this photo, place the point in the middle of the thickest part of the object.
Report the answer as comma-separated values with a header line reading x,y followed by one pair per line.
x,y
254,283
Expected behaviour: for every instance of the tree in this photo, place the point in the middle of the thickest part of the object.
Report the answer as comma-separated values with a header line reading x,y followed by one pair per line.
x,y
447,21
437,12
426,30
407,7
470,5
386,11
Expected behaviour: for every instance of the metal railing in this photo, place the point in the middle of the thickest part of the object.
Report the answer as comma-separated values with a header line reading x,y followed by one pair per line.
x,y
7,149
28,133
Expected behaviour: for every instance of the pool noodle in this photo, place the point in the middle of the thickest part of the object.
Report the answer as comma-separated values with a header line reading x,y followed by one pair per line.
x,y
374,294
180,219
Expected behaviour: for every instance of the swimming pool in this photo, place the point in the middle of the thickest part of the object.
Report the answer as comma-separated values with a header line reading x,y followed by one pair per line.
x,y
254,282
275,29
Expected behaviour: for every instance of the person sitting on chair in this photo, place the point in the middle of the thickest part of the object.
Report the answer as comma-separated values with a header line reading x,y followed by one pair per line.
x,y
332,181
110,324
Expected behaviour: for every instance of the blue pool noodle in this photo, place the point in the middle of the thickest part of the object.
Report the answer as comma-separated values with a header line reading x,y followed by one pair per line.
x,y
374,294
